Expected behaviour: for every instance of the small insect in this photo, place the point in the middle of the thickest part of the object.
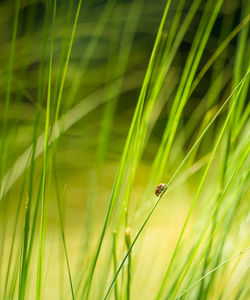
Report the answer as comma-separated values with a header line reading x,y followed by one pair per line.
x,y
159,189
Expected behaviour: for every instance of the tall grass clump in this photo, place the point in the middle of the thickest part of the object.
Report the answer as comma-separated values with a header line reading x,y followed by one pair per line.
x,y
100,102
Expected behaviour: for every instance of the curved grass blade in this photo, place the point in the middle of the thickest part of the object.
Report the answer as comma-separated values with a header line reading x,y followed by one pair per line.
x,y
170,182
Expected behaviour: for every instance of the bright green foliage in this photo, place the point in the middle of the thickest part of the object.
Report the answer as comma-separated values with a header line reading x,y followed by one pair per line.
x,y
101,101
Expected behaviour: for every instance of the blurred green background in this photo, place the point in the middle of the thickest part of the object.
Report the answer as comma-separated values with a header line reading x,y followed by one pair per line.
x,y
106,68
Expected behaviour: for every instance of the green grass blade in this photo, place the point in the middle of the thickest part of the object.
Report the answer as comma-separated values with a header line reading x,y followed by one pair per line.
x,y
212,271
46,141
169,183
